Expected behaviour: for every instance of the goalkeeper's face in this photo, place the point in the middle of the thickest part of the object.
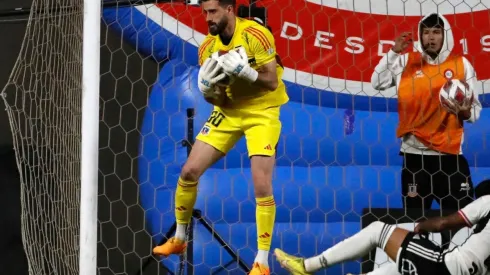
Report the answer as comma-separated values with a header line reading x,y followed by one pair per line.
x,y
217,16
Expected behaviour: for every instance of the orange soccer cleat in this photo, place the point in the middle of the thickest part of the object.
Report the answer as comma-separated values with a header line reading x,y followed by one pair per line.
x,y
172,246
259,269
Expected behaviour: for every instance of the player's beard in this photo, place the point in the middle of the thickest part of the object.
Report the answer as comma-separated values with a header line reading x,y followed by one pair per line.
x,y
218,28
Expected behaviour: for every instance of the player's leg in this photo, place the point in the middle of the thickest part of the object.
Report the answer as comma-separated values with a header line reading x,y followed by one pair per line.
x,y
377,234
262,129
416,188
201,157
455,179
386,269
216,138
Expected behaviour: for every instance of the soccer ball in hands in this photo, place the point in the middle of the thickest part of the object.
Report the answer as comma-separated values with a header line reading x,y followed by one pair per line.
x,y
228,80
454,89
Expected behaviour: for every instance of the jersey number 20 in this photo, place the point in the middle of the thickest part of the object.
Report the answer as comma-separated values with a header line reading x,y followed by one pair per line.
x,y
216,118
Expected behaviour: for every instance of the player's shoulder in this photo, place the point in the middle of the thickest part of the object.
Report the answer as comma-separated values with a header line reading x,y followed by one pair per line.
x,y
482,204
253,27
208,40
206,48
207,44
484,200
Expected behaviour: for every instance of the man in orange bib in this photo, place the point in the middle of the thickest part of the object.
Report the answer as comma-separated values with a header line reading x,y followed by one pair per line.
x,y
432,136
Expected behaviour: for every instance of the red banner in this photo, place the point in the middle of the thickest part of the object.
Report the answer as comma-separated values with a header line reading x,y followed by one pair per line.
x,y
348,45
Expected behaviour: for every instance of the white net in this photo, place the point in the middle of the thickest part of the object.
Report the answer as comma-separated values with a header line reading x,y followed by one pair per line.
x,y
43,99
338,163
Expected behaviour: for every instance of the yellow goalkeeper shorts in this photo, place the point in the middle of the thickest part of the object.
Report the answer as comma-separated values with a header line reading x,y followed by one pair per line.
x,y
225,127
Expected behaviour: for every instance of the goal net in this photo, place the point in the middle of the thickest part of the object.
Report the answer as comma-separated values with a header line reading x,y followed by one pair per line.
x,y
43,99
338,163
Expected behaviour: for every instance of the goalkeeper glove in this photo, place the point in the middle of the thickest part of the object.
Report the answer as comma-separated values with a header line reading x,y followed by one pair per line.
x,y
235,63
229,79
209,74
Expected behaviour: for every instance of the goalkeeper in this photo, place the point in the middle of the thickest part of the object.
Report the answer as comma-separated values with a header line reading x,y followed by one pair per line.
x,y
240,74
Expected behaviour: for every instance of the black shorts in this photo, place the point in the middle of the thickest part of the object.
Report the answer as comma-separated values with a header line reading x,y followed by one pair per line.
x,y
420,256
444,178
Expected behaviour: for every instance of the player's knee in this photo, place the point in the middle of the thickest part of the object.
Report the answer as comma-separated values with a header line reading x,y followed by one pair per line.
x,y
190,173
263,190
262,168
262,185
375,228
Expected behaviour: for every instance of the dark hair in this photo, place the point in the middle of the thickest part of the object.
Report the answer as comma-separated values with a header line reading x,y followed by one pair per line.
x,y
483,189
223,2
432,21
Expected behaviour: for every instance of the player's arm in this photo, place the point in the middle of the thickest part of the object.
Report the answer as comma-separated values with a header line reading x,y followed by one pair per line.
x,y
468,216
267,76
391,65
473,110
262,47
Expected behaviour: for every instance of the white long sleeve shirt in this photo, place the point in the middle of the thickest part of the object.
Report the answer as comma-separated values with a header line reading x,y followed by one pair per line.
x,y
387,75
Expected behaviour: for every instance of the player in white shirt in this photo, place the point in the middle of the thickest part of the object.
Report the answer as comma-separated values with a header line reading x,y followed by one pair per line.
x,y
413,252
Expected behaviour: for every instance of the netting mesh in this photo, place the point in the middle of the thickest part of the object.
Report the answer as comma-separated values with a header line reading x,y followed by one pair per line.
x,y
43,99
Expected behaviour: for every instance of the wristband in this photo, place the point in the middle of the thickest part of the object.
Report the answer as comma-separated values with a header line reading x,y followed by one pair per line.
x,y
250,74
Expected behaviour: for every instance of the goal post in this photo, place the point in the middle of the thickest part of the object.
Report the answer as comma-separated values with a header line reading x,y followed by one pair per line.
x,y
90,136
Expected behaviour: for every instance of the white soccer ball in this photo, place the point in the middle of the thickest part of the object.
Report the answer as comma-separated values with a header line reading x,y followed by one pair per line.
x,y
454,89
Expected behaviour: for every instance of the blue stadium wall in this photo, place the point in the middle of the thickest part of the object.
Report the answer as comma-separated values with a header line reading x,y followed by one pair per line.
x,y
338,154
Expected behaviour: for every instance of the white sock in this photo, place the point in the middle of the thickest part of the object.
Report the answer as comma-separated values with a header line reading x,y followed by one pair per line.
x,y
262,257
376,234
180,232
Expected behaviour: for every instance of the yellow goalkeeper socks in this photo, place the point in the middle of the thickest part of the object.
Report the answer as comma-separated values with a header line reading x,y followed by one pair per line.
x,y
265,214
185,198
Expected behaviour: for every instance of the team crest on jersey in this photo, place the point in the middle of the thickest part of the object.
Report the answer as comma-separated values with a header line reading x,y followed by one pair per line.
x,y
412,190
205,130
448,74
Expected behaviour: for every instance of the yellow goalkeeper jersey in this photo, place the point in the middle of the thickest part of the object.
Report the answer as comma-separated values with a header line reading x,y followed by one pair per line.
x,y
261,49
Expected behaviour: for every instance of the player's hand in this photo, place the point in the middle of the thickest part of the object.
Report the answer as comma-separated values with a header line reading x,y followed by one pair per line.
x,y
235,63
463,110
209,75
229,79
402,42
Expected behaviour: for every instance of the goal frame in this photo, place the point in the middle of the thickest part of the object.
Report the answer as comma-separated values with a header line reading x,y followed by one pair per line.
x,y
90,136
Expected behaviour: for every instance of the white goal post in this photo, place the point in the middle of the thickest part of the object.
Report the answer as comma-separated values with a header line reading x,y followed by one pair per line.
x,y
90,137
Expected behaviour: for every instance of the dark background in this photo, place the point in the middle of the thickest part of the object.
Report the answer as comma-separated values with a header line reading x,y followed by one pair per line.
x,y
126,79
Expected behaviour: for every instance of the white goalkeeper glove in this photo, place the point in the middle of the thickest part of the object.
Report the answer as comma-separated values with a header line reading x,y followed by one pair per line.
x,y
229,79
209,74
235,63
